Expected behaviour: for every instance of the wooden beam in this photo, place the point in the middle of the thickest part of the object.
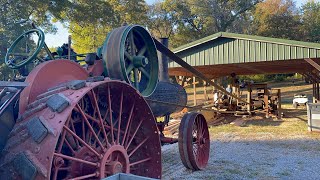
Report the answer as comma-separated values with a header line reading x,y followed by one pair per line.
x,y
266,102
205,90
194,91
249,96
279,110
313,63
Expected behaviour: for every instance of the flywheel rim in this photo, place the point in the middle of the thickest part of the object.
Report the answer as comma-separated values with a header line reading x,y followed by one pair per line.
x,y
129,54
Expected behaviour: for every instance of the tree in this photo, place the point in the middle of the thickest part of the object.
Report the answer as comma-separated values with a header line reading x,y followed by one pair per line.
x,y
200,18
15,18
161,22
90,21
311,21
277,18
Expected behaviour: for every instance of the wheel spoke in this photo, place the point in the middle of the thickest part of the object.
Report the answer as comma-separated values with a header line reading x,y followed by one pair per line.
x,y
70,147
110,113
119,119
83,130
142,51
130,68
141,161
74,130
89,126
134,134
63,137
144,72
136,148
132,45
99,115
128,56
85,176
75,159
84,143
127,126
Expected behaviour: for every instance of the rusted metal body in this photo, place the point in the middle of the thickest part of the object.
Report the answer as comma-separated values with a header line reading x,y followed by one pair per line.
x,y
75,123
60,134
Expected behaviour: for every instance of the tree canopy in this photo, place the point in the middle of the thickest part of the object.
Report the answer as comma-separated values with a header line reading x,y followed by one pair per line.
x,y
182,21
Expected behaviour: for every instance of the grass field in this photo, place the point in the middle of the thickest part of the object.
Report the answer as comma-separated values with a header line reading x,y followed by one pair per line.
x,y
261,148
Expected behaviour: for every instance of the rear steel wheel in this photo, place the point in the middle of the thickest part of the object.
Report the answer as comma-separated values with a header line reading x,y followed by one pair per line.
x,y
129,54
85,140
194,141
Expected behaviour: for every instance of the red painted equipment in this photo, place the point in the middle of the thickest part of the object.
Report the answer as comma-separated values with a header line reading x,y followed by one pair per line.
x,y
74,122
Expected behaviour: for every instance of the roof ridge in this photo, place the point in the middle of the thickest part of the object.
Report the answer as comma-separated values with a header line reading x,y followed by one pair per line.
x,y
247,37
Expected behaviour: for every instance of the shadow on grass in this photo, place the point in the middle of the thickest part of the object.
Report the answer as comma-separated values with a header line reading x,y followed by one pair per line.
x,y
262,123
296,113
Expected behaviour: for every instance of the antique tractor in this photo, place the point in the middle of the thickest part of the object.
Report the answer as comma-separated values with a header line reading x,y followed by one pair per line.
x,y
75,120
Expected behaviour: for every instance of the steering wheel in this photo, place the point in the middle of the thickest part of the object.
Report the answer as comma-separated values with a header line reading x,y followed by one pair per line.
x,y
16,60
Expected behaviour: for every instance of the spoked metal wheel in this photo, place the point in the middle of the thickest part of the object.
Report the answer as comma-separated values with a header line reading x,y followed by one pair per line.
x,y
129,54
107,128
194,141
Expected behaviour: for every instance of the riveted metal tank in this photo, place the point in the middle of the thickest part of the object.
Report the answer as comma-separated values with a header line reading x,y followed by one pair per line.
x,y
171,94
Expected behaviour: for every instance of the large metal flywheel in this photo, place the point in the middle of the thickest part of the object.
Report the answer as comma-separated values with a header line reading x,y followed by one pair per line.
x,y
129,54
70,134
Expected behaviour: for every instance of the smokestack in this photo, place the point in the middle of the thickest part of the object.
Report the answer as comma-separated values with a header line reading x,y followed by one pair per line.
x,y
163,63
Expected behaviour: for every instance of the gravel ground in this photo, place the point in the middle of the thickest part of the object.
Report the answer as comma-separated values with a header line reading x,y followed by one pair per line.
x,y
258,158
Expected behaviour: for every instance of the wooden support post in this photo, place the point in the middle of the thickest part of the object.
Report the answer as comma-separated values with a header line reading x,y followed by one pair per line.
x,y
249,99
266,101
238,94
183,80
279,110
313,92
318,95
205,90
194,91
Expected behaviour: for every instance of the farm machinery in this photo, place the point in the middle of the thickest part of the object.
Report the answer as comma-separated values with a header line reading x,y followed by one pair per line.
x,y
65,119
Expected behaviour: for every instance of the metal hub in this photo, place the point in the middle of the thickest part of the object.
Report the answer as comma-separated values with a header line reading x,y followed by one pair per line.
x,y
114,161
140,61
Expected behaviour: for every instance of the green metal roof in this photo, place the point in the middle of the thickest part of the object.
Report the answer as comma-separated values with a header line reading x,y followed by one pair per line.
x,y
230,48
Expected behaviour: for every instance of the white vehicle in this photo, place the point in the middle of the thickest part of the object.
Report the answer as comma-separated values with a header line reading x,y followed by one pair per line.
x,y
299,99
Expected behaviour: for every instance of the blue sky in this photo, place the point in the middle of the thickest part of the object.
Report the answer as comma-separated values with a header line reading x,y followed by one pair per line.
x,y
54,40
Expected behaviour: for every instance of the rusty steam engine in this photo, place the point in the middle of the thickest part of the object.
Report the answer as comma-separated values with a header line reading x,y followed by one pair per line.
x,y
66,119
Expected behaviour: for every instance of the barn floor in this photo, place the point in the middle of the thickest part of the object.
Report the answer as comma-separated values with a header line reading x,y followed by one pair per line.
x,y
258,149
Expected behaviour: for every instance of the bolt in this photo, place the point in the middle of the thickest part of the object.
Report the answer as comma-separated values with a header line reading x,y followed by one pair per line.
x,y
36,150
51,116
